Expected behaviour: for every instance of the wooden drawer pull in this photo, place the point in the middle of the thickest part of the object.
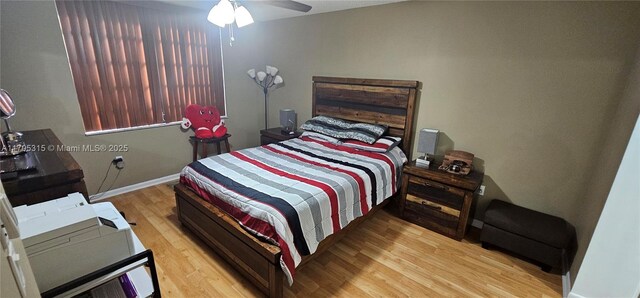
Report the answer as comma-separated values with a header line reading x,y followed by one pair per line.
x,y
430,205
438,186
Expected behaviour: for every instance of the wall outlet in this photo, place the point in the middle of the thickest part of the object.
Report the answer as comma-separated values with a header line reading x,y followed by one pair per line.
x,y
119,162
481,192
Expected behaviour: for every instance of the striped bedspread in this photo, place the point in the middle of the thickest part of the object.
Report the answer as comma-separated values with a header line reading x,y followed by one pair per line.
x,y
296,193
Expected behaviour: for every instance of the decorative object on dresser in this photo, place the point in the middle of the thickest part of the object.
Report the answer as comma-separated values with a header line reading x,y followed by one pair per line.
x,y
56,174
386,102
266,80
274,135
438,200
546,239
427,144
11,141
288,121
457,162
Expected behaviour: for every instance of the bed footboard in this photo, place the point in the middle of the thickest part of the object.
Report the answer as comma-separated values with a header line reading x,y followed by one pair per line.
x,y
257,261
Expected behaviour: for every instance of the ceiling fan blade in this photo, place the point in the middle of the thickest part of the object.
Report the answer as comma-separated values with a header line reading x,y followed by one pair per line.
x,y
288,4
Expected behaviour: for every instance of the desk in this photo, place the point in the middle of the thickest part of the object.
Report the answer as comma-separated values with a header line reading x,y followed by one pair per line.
x,y
57,174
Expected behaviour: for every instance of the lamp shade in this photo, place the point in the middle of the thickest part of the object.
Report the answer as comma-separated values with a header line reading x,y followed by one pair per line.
x,y
251,73
428,141
278,80
221,14
288,119
214,17
226,11
261,75
243,17
272,70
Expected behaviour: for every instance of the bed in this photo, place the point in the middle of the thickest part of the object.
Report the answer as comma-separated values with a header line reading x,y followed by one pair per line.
x,y
224,226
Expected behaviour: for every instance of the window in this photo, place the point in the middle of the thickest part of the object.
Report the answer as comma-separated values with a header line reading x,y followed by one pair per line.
x,y
137,66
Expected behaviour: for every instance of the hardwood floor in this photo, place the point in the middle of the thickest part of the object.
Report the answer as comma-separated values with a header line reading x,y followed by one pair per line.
x,y
384,256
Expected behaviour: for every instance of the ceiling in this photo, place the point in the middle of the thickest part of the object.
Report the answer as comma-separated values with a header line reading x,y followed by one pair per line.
x,y
263,12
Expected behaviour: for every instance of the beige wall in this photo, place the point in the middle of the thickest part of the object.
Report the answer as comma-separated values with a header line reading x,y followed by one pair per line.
x,y
36,72
613,145
527,87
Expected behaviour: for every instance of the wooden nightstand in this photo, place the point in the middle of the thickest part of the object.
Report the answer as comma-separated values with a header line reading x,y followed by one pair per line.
x,y
273,135
438,200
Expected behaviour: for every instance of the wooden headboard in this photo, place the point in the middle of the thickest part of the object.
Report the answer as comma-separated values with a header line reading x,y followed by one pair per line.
x,y
389,102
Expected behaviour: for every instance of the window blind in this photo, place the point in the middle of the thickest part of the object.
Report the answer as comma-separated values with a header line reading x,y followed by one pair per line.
x,y
136,66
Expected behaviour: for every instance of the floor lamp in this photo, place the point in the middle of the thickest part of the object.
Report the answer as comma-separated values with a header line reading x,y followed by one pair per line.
x,y
267,80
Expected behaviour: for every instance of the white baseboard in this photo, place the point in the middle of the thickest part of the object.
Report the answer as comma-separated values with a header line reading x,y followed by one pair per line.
x,y
574,295
129,188
566,284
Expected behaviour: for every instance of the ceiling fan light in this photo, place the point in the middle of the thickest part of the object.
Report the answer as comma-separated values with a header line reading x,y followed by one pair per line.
x,y
226,14
243,17
215,17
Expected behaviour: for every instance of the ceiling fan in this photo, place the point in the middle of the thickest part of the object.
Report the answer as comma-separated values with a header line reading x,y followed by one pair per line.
x,y
225,9
226,12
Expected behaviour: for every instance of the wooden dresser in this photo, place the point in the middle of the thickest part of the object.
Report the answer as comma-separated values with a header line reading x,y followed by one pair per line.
x,y
56,175
438,200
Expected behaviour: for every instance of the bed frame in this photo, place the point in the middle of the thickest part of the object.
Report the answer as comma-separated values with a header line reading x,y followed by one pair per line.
x,y
390,102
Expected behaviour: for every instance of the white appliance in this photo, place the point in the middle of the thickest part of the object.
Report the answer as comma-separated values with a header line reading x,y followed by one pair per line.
x,y
16,276
67,238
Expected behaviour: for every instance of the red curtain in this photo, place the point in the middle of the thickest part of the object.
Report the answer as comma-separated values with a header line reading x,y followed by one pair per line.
x,y
136,66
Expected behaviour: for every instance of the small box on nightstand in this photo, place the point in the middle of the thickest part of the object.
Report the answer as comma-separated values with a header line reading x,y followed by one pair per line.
x,y
423,162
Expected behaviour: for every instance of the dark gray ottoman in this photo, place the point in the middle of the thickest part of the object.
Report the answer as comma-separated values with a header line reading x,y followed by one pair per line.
x,y
544,238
